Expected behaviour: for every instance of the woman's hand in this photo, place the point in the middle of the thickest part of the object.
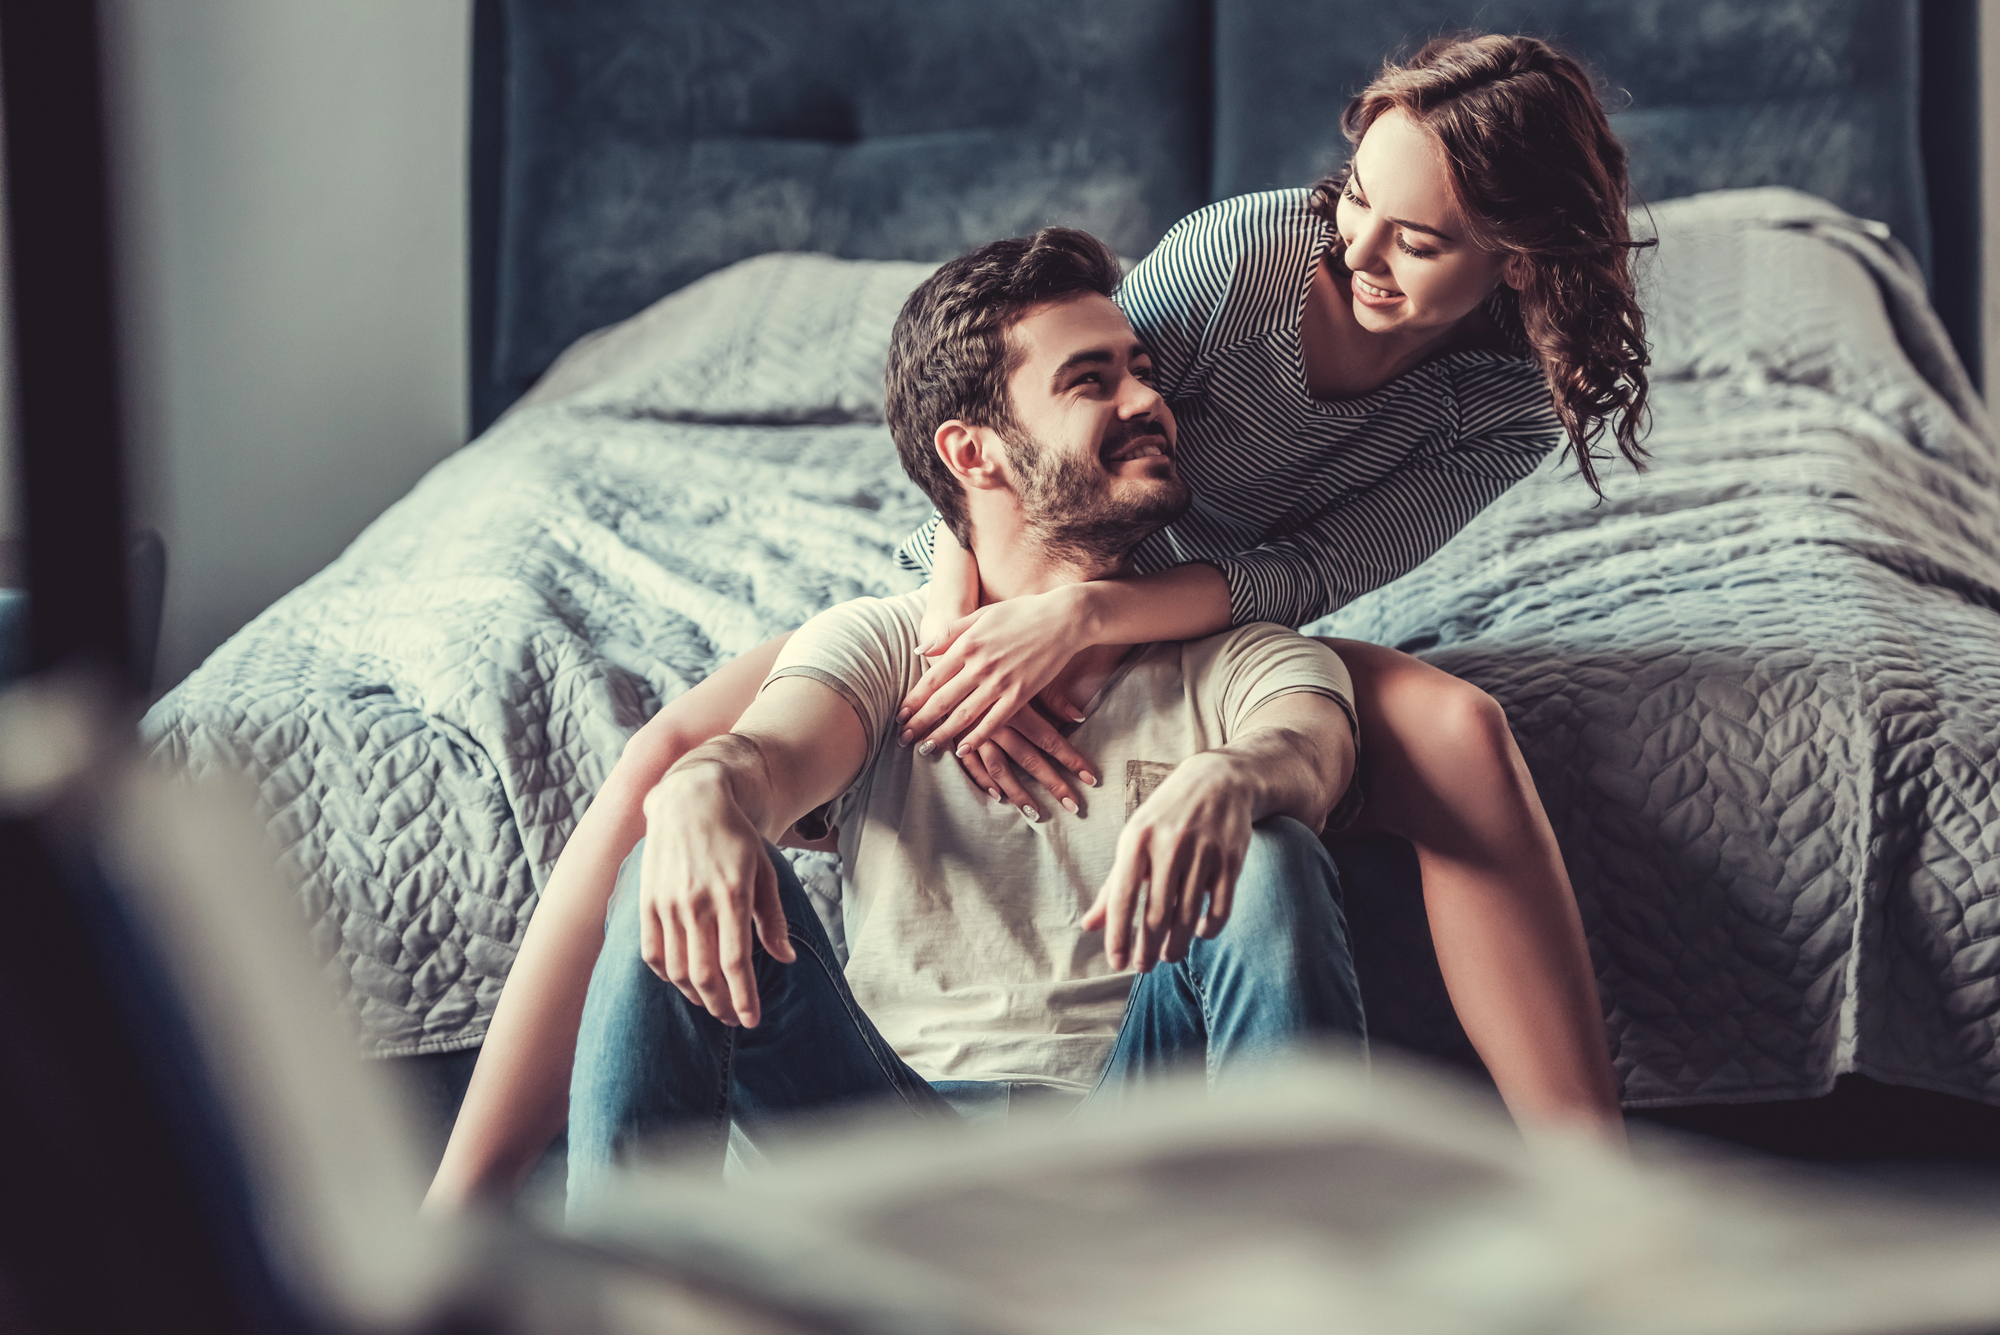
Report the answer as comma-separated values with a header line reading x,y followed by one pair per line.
x,y
991,665
941,617
1032,743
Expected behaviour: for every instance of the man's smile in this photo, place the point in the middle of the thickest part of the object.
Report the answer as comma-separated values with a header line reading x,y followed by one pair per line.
x,y
1148,441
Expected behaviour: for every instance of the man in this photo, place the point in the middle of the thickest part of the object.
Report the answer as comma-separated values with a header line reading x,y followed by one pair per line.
x,y
1021,402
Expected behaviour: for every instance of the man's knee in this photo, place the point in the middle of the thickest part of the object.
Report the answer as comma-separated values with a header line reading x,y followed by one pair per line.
x,y
1288,880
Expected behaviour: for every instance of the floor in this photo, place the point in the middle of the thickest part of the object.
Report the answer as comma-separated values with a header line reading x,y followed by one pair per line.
x,y
1944,1148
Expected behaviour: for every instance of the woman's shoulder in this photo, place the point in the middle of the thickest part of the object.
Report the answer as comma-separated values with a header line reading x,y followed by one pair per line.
x,y
1231,268
1262,218
1269,229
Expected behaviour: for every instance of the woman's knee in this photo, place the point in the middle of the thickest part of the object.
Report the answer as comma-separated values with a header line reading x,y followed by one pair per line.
x,y
1443,723
1472,715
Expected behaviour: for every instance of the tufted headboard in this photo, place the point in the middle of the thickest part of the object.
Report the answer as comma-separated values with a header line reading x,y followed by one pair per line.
x,y
623,148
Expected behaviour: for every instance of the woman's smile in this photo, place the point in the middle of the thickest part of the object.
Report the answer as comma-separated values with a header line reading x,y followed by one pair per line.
x,y
1373,295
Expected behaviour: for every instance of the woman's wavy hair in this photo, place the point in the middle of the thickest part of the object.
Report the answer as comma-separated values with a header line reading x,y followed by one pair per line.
x,y
1539,175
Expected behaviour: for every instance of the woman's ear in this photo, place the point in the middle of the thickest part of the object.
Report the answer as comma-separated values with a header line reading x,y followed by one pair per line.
x,y
1516,272
972,453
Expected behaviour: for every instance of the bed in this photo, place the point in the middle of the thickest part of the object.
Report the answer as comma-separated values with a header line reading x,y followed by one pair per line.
x,y
1758,688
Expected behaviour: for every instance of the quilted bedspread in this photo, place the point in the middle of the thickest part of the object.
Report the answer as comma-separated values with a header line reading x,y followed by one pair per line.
x,y
1758,687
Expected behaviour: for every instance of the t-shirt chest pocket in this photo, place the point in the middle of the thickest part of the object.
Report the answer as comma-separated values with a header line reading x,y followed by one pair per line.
x,y
1142,779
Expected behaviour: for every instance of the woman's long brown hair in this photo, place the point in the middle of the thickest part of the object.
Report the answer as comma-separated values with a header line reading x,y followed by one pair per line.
x,y
1539,175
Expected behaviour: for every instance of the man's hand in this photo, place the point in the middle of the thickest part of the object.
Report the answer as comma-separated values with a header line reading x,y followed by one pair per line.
x,y
1180,852
1176,865
705,883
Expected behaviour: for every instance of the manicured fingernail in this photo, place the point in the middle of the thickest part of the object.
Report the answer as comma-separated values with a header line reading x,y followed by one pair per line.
x,y
1031,814
907,737
1089,779
1069,805
903,715
927,747
1076,718
994,793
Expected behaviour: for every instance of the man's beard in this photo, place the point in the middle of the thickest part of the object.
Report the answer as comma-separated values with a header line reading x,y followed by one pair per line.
x,y
1066,502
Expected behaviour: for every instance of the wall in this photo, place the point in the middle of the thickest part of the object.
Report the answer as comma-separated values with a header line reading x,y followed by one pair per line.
x,y
292,190
1989,135
10,515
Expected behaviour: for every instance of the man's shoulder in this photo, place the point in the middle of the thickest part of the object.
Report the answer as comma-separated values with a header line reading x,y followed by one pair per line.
x,y
866,643
864,649
1255,649
1249,634
903,611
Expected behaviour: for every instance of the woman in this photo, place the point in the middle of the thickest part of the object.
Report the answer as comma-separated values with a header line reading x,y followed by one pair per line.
x,y
1496,222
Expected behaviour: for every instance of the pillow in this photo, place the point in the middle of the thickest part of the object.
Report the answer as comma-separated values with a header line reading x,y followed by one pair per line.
x,y
1769,281
777,338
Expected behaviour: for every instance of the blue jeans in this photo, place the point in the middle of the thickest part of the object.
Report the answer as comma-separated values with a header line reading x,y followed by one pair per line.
x,y
650,1062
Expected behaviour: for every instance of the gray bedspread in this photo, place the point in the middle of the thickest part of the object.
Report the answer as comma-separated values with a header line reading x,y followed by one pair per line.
x,y
1759,687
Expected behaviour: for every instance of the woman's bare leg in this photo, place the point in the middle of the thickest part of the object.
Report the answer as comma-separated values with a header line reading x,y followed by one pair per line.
x,y
519,1095
1443,771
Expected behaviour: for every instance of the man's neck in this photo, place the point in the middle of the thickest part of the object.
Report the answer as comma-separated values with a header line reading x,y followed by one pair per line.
x,y
1014,562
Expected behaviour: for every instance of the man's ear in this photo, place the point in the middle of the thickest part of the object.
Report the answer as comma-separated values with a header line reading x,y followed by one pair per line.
x,y
972,453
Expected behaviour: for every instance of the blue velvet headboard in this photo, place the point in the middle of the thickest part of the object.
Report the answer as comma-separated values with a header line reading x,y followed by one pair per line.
x,y
623,148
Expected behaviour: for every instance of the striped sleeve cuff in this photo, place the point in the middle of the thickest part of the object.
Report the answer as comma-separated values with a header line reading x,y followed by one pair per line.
x,y
1268,587
915,553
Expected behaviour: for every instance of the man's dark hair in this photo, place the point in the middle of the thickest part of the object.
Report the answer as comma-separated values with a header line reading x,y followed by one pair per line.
x,y
950,356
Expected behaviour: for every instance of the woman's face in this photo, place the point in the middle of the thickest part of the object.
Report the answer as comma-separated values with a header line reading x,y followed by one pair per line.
x,y
1414,269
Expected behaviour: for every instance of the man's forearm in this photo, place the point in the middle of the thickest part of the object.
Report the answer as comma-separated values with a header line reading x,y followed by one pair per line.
x,y
731,767
1287,770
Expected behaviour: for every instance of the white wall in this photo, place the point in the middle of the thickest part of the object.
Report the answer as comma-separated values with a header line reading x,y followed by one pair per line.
x,y
292,189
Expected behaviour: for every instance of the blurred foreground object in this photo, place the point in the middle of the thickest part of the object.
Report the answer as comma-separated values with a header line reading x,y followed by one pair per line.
x,y
198,1146
1318,1198
208,1153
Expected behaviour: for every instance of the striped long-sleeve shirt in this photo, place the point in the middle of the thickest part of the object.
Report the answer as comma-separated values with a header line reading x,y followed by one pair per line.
x,y
1305,504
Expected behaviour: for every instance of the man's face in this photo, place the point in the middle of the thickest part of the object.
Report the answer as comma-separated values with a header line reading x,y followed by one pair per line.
x,y
1093,455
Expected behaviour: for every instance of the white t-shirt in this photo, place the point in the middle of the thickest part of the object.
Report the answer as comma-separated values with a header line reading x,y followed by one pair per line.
x,y
962,917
